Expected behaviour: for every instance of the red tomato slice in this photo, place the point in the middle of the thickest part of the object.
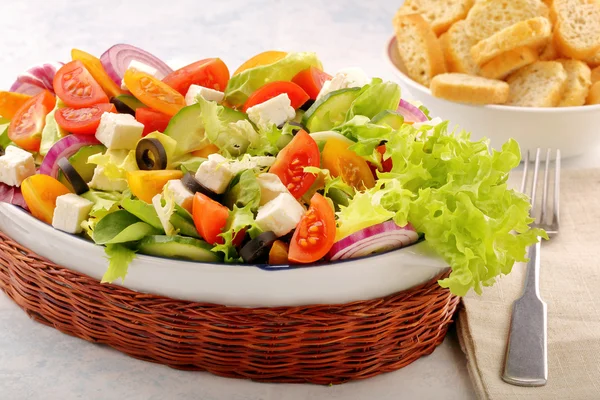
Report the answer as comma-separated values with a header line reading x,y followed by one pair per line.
x,y
82,121
210,218
211,73
311,80
152,120
74,85
296,94
301,152
315,234
26,126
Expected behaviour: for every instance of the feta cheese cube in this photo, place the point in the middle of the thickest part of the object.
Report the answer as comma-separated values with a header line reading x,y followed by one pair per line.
x,y
101,182
273,111
270,187
343,79
139,66
215,173
180,193
71,210
206,93
280,215
15,166
119,131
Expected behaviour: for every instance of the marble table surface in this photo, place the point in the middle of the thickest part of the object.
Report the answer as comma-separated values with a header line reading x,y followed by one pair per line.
x,y
40,362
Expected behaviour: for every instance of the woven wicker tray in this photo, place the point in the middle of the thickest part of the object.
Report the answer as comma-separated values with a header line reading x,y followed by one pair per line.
x,y
322,344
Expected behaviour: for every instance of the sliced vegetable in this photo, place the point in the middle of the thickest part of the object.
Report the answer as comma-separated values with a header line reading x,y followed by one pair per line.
x,y
311,80
206,151
411,113
82,121
210,218
345,163
393,119
211,73
373,239
301,152
153,92
177,247
116,60
278,255
150,155
147,184
26,126
126,104
264,58
65,147
95,68
79,161
75,86
12,195
78,185
295,93
330,111
256,251
40,193
315,234
152,120
36,79
10,103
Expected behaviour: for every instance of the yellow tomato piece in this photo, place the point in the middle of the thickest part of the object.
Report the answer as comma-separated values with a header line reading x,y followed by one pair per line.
x,y
11,102
206,151
343,162
153,92
264,58
147,184
40,193
95,68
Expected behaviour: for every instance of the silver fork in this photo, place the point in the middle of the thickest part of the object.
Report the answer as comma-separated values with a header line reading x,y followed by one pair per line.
x,y
526,362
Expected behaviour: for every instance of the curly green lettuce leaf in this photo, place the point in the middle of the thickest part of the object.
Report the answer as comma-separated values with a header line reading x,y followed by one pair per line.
x,y
244,190
52,132
242,85
115,163
239,218
119,258
165,208
104,203
366,134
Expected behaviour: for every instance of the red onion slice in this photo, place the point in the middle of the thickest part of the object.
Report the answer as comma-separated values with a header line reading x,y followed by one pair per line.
x,y
116,60
410,112
373,239
65,147
12,195
36,78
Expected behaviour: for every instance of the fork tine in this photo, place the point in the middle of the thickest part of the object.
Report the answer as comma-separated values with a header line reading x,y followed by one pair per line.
x,y
556,216
525,170
536,169
545,190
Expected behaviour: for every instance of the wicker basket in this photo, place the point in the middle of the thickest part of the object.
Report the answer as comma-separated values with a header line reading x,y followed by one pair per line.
x,y
322,344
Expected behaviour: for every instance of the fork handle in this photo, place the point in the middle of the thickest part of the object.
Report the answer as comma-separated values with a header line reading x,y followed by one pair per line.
x,y
526,361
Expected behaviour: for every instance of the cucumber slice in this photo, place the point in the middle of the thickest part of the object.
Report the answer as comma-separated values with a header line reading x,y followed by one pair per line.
x,y
330,111
79,162
130,101
177,247
185,227
393,119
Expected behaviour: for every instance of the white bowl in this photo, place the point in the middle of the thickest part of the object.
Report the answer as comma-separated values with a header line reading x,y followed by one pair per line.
x,y
235,285
573,130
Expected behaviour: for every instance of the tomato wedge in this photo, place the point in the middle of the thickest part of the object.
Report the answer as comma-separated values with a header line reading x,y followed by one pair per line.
x,y
26,126
311,80
40,193
301,152
11,102
153,92
210,218
341,161
315,234
82,121
211,73
278,254
264,58
152,120
296,94
74,85
94,66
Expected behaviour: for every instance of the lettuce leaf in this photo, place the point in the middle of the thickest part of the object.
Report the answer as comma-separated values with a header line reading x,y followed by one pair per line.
x,y
242,85
375,97
243,191
115,163
165,208
239,218
119,258
104,203
52,132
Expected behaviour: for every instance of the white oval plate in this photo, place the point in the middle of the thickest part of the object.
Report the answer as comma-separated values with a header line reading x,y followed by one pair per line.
x,y
235,285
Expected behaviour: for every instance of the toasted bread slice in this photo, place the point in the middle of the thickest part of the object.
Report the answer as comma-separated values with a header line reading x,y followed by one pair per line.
x,y
577,30
456,44
594,95
595,75
534,32
550,52
470,89
440,14
537,85
507,63
579,80
594,60
487,17
419,48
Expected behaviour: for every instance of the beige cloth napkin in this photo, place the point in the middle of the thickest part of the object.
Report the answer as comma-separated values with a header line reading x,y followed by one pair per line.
x,y
570,285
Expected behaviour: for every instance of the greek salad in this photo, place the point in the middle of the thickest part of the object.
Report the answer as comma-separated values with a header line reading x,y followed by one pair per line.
x,y
278,163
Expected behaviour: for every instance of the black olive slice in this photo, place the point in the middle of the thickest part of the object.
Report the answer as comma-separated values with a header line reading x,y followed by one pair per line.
x,y
150,155
307,105
1,151
257,250
192,184
76,181
121,107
